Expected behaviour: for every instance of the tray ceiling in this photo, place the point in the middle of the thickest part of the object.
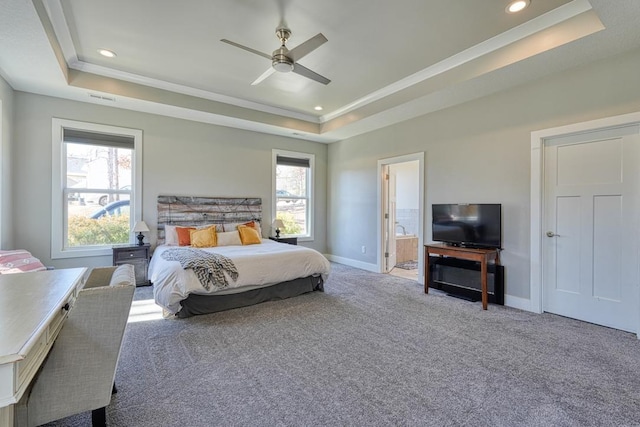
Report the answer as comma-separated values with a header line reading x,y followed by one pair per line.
x,y
387,61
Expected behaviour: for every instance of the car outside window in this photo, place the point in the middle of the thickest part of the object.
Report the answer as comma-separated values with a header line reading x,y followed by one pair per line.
x,y
293,173
99,166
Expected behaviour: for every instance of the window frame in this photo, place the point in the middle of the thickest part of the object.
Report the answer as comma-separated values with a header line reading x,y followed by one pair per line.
x,y
2,155
59,218
310,218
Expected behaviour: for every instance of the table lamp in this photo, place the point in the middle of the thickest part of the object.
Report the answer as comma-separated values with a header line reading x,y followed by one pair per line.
x,y
140,227
277,224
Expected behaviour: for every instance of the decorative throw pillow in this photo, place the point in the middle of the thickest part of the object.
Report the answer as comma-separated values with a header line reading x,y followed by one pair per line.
x,y
203,237
218,227
229,238
254,224
170,235
234,226
230,226
184,235
249,235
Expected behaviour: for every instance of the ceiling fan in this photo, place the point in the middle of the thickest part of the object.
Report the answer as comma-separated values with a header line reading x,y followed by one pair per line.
x,y
285,60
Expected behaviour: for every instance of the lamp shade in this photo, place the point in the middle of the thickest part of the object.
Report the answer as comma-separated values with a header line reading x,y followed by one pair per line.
x,y
140,227
277,223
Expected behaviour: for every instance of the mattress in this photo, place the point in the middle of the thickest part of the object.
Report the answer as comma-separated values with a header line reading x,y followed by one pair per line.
x,y
258,266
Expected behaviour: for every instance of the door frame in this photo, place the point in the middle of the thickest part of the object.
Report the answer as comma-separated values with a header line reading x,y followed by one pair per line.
x,y
389,245
538,140
381,206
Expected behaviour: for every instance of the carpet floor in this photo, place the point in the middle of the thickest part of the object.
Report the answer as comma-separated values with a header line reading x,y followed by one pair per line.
x,y
373,350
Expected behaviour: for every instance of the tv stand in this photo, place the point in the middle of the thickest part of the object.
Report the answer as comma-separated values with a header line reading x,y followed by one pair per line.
x,y
481,255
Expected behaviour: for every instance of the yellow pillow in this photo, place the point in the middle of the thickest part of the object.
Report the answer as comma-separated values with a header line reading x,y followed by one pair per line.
x,y
249,235
253,224
204,237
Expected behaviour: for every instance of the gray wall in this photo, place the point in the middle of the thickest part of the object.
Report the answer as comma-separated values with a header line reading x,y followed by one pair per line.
x,y
475,152
179,157
6,139
478,151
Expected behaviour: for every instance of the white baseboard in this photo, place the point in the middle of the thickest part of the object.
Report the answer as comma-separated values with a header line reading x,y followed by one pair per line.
x,y
353,263
517,302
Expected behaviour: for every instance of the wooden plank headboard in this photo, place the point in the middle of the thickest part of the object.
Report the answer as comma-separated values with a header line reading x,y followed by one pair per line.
x,y
196,210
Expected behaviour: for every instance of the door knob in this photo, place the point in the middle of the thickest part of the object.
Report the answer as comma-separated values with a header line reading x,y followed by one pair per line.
x,y
552,234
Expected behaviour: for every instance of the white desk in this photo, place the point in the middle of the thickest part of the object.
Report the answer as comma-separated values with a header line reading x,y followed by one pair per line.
x,y
33,307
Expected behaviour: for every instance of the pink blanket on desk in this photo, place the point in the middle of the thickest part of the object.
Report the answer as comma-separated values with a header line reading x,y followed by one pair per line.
x,y
19,261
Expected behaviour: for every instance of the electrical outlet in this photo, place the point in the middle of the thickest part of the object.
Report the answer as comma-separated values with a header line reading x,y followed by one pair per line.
x,y
364,249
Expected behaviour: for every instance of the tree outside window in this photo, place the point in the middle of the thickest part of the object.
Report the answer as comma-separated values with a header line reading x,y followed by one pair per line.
x,y
97,176
95,179
293,172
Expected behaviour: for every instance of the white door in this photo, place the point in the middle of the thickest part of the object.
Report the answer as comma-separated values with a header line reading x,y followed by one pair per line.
x,y
389,204
590,252
391,249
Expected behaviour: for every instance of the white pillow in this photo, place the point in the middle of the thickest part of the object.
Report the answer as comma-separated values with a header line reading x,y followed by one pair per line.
x,y
170,235
234,226
229,238
230,226
218,227
258,228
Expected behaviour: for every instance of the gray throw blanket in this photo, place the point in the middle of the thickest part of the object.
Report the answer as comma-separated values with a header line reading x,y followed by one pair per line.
x,y
209,268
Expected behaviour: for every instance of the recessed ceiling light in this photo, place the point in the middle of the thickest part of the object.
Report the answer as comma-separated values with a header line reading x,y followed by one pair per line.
x,y
106,52
517,6
318,108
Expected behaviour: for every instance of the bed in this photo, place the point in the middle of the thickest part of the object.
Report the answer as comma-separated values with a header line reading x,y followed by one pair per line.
x,y
266,271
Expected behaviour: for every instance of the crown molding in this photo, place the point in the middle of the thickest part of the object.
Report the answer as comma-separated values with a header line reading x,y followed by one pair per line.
x,y
61,29
186,90
527,29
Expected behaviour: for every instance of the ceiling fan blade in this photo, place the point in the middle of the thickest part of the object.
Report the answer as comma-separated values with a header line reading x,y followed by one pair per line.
x,y
310,45
304,71
264,75
248,49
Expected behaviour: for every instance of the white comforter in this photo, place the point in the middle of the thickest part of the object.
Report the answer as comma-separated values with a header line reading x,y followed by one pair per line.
x,y
258,266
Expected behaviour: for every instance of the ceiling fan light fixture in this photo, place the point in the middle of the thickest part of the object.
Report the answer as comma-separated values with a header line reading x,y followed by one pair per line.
x,y
284,60
281,62
282,67
517,5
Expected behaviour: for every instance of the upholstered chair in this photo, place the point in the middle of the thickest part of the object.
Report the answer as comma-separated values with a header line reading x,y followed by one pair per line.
x,y
78,375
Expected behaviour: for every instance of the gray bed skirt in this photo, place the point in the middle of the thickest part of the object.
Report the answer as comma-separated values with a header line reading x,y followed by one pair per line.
x,y
203,304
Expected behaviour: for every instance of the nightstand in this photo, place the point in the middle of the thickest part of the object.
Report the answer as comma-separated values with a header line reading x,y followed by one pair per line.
x,y
288,240
136,255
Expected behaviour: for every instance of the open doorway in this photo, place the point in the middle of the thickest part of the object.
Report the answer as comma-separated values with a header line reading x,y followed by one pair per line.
x,y
401,222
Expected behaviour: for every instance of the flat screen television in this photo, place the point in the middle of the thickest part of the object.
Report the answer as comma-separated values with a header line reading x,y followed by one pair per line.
x,y
468,224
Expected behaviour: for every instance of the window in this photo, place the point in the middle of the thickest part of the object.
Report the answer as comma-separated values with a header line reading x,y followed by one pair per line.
x,y
1,169
95,187
293,192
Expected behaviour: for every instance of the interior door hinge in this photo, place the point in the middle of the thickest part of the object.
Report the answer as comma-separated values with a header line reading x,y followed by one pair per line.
x,y
386,254
386,216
